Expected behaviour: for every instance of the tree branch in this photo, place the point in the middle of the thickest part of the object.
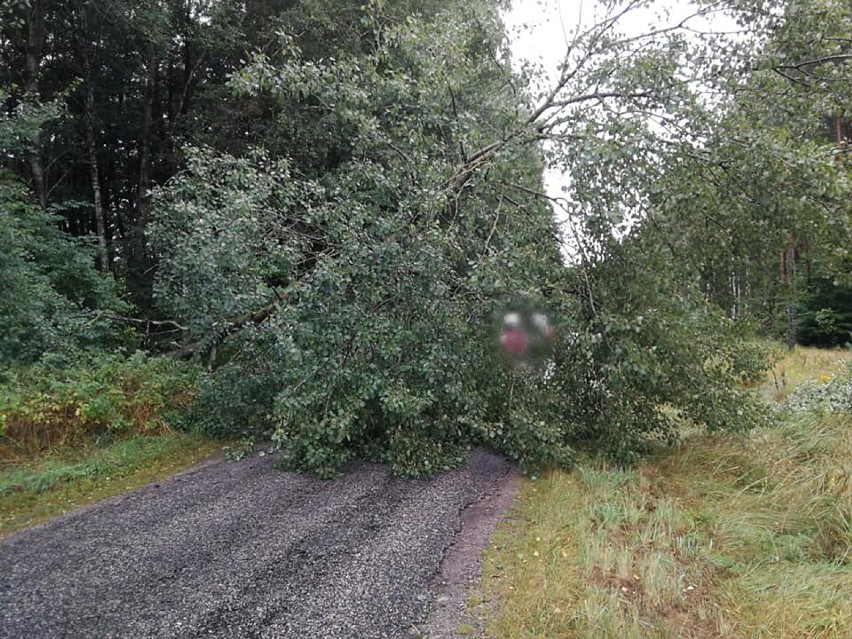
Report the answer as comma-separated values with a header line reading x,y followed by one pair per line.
x,y
816,62
231,326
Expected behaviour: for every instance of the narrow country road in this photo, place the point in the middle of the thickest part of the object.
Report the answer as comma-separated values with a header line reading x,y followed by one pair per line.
x,y
244,550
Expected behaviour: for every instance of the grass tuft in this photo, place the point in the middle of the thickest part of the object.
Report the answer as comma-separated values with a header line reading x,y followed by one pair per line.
x,y
65,479
724,536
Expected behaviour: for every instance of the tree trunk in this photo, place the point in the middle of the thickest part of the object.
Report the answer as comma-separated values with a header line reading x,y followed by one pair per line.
x,y
138,262
103,251
35,47
788,276
143,198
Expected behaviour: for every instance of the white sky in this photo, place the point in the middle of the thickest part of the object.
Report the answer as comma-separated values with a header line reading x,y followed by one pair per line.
x,y
539,32
540,29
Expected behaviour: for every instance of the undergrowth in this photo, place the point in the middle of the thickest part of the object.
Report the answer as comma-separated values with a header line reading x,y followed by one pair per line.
x,y
726,535
72,433
48,405
831,393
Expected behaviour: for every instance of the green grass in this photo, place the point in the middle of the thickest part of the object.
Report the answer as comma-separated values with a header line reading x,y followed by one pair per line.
x,y
65,479
724,536
802,365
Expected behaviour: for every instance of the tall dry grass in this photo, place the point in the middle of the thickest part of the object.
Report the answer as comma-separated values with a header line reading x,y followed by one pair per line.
x,y
724,536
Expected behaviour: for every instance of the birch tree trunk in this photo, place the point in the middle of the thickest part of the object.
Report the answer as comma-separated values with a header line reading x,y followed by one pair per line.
x,y
143,198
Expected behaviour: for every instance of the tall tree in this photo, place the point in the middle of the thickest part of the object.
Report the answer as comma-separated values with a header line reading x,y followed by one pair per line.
x,y
774,198
363,299
374,282
53,298
140,79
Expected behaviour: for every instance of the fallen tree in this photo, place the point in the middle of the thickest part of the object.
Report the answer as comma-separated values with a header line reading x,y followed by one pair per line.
x,y
351,312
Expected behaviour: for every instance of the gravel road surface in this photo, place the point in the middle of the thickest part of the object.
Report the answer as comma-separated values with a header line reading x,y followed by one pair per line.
x,y
244,550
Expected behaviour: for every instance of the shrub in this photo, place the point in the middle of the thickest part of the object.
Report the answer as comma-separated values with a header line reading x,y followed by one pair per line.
x,y
236,401
50,405
53,298
833,394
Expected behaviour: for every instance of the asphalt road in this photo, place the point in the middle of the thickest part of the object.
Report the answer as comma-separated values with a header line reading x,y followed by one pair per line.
x,y
244,550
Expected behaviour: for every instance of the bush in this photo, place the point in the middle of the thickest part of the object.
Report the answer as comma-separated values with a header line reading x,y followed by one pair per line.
x,y
236,401
833,394
54,404
824,315
53,298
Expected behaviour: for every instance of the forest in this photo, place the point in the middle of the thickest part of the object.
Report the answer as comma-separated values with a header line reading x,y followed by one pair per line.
x,y
299,221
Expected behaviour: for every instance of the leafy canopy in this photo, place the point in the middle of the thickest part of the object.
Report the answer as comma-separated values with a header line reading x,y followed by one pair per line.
x,y
350,311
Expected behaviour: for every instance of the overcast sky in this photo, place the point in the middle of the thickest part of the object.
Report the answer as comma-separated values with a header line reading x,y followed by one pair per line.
x,y
539,31
538,28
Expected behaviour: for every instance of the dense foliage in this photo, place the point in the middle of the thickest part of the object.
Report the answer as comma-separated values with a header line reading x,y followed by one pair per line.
x,y
776,203
100,398
361,302
52,295
330,204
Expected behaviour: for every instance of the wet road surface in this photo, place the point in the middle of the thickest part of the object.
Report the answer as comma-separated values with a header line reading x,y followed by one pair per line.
x,y
244,550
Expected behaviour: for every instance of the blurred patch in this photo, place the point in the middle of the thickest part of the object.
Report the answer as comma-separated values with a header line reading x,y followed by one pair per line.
x,y
526,336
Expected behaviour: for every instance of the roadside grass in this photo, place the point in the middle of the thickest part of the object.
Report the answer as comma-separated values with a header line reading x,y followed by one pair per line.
x,y
64,479
75,433
799,366
724,536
